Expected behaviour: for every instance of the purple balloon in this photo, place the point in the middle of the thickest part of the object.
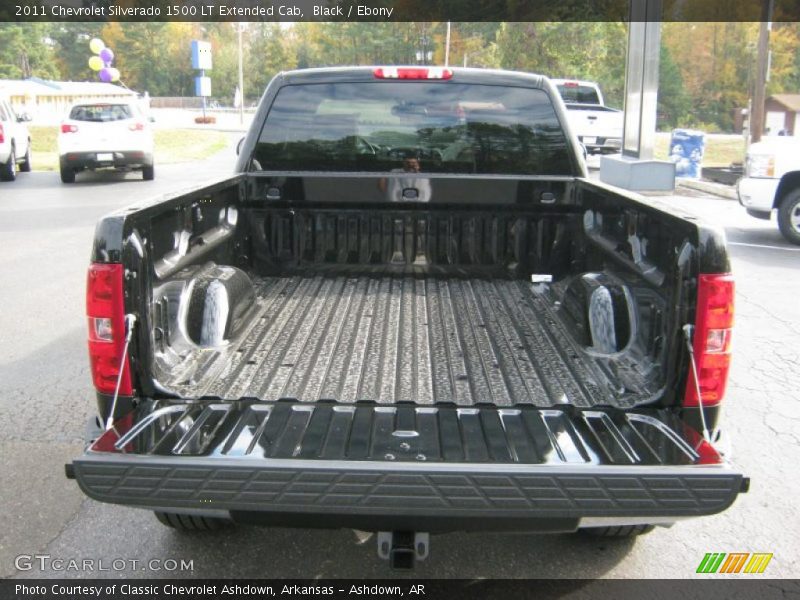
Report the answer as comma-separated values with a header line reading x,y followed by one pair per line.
x,y
107,55
105,75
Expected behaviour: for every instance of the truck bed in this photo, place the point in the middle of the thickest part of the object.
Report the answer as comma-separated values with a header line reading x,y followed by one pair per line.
x,y
390,338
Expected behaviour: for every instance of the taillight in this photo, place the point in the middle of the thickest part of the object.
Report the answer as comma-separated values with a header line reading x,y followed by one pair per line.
x,y
712,339
412,73
571,84
136,126
105,310
68,128
2,134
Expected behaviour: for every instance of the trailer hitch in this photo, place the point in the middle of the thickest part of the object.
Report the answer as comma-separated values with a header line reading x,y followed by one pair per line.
x,y
403,548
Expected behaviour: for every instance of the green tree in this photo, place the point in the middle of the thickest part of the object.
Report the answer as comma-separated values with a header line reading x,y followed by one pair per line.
x,y
267,53
26,50
674,103
71,47
592,50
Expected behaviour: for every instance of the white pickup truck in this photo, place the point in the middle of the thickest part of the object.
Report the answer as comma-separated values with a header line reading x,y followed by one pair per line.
x,y
772,182
598,127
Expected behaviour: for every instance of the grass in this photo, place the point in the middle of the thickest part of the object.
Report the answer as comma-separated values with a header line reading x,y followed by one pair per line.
x,y
720,151
184,145
172,146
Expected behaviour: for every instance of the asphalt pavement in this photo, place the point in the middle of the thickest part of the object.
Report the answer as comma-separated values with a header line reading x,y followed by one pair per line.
x,y
46,231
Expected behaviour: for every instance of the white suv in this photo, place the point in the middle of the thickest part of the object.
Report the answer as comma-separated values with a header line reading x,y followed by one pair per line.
x,y
105,135
15,142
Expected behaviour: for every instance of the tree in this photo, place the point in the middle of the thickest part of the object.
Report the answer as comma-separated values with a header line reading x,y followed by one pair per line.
x,y
153,57
592,50
268,53
71,47
674,103
26,50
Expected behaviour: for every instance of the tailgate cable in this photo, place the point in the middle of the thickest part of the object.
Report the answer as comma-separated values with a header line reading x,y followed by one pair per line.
x,y
130,321
688,332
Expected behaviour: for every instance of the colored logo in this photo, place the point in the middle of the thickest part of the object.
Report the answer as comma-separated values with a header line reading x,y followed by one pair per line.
x,y
734,562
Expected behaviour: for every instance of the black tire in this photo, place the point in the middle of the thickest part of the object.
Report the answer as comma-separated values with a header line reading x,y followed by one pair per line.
x,y
192,522
67,174
789,216
25,167
8,171
148,173
621,531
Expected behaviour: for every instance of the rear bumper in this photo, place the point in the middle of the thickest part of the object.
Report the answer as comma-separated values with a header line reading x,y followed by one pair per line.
x,y
403,492
363,467
602,145
119,159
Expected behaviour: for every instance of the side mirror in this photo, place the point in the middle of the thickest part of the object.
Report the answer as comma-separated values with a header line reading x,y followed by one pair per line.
x,y
239,146
24,118
152,119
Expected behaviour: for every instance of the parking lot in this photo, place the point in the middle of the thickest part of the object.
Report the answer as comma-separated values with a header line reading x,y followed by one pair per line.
x,y
46,231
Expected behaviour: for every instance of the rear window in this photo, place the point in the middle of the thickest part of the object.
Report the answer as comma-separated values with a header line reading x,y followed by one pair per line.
x,y
101,112
429,127
578,94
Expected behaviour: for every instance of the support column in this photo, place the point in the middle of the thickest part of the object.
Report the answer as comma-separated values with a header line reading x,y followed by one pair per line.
x,y
636,169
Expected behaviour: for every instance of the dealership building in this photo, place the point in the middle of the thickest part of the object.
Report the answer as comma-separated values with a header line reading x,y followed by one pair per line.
x,y
48,101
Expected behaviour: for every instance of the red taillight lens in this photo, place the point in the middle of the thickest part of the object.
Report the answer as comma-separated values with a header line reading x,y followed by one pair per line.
x,y
571,84
2,134
712,339
106,319
412,73
67,128
136,126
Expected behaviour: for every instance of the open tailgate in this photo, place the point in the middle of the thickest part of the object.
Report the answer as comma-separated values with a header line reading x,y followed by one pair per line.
x,y
404,461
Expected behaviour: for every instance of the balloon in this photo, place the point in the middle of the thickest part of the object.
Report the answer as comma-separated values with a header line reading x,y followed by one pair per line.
x,y
105,75
96,45
107,55
95,63
114,74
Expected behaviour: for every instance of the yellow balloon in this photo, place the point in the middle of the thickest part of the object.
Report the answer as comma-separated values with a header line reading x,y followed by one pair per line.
x,y
96,45
96,63
114,74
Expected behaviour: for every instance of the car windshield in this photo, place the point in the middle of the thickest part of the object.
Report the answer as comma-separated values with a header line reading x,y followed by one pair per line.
x,y
101,113
573,93
436,127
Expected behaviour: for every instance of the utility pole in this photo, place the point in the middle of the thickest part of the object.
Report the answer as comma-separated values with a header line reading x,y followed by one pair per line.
x,y
447,47
757,120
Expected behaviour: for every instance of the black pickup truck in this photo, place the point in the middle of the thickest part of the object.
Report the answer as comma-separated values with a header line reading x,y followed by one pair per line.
x,y
409,312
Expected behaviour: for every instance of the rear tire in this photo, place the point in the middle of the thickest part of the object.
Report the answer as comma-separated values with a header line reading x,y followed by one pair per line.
x,y
148,173
67,174
25,167
620,531
192,522
8,171
789,216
